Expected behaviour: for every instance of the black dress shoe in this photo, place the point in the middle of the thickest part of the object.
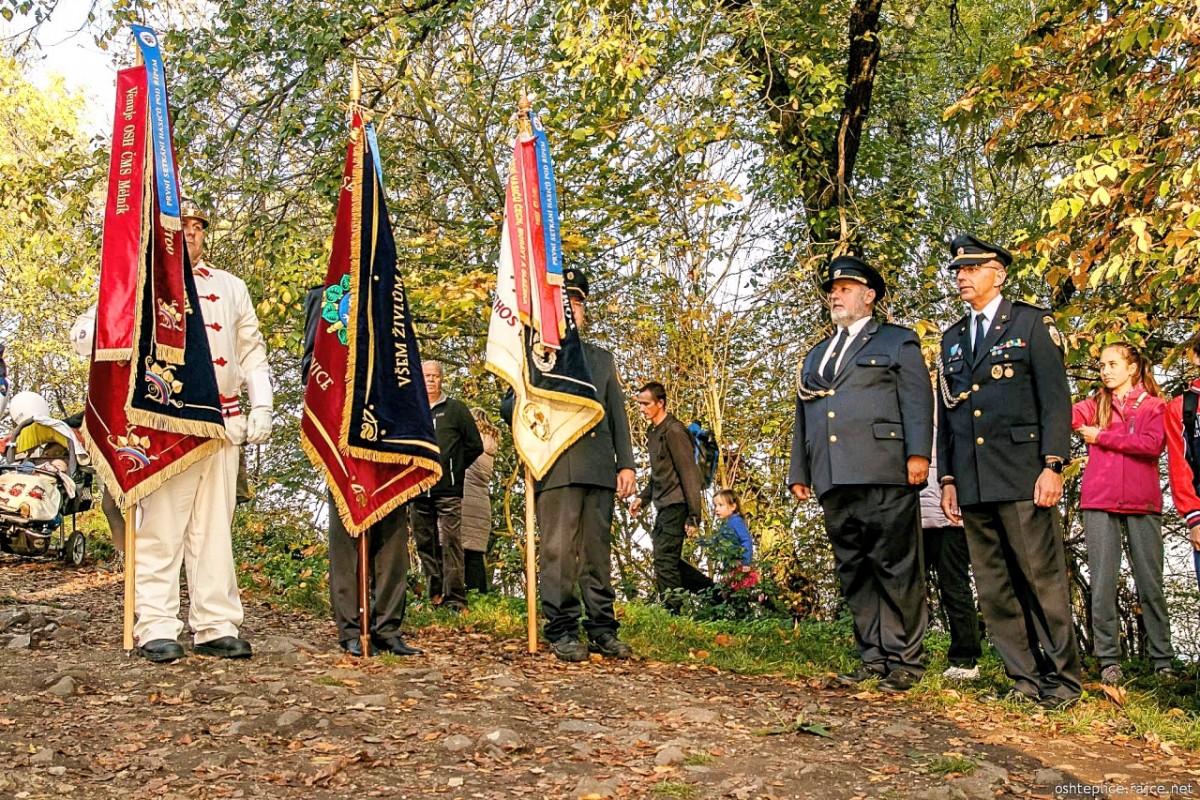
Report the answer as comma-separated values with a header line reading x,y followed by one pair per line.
x,y
899,680
353,647
1054,703
863,673
396,645
161,651
607,644
225,647
568,648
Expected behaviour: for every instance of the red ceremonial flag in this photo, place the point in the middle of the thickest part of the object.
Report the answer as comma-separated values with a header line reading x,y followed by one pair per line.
x,y
153,407
367,425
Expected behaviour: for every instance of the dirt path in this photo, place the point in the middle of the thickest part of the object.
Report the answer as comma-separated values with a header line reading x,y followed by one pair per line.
x,y
478,718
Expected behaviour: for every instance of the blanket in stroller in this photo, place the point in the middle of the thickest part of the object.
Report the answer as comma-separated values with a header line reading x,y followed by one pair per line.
x,y
30,494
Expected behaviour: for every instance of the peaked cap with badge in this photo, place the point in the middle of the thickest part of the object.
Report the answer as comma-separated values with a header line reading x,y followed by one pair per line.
x,y
575,282
850,268
969,251
189,208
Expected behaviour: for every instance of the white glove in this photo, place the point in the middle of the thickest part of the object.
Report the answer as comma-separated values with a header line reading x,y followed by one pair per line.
x,y
83,332
235,429
261,421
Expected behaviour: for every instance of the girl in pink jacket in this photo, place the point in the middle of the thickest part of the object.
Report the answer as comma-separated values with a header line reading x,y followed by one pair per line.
x,y
1121,495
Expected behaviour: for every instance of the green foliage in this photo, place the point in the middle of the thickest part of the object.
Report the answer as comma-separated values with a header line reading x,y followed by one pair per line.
x,y
282,561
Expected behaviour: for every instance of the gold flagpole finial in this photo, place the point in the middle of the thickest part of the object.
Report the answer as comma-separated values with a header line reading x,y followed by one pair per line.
x,y
355,85
523,107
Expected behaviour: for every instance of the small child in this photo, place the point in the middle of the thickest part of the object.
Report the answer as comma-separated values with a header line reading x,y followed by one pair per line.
x,y
734,550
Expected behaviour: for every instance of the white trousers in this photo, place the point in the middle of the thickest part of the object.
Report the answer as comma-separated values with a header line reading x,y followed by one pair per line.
x,y
188,519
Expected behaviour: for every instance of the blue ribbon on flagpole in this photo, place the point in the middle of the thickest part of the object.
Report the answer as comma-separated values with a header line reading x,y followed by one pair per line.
x,y
160,125
548,192
373,143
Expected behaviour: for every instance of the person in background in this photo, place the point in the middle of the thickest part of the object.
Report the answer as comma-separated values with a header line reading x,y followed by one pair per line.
x,y
477,504
1183,453
948,569
733,549
676,489
1120,495
437,514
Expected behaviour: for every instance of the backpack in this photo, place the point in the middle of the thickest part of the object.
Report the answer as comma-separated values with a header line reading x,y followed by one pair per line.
x,y
706,451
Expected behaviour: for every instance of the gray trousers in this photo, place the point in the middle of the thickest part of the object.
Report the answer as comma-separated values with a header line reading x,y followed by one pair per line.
x,y
1103,532
437,531
1021,574
576,547
389,574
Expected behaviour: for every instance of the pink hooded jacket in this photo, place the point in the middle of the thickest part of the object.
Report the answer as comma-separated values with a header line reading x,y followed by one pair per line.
x,y
1121,475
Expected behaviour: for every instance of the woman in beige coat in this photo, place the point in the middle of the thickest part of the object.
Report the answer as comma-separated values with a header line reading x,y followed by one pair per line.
x,y
477,504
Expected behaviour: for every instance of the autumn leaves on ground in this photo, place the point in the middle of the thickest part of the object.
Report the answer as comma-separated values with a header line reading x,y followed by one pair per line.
x,y
478,717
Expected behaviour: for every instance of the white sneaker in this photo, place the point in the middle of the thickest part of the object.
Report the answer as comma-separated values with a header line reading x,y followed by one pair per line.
x,y
961,673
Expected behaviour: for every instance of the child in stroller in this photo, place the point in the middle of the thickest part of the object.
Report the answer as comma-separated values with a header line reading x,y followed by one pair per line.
x,y
44,478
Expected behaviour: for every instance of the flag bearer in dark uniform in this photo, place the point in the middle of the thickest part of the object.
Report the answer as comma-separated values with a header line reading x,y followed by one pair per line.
x,y
388,545
575,511
1004,430
862,440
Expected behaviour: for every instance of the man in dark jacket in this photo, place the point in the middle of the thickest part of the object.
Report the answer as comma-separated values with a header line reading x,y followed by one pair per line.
x,y
1004,429
437,514
388,540
862,440
675,487
575,511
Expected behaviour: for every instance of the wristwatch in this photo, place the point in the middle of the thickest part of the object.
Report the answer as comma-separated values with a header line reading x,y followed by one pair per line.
x,y
1054,466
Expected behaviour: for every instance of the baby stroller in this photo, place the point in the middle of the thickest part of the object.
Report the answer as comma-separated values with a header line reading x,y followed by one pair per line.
x,y
45,478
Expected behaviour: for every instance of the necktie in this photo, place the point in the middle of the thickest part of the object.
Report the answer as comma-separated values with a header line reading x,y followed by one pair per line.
x,y
980,335
830,368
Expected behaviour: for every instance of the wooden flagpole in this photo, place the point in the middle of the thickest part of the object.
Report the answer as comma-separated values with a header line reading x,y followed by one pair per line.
x,y
364,545
364,591
530,562
130,575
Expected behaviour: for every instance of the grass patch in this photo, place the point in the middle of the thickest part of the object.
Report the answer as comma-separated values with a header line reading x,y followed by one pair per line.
x,y
951,765
697,759
677,790
328,680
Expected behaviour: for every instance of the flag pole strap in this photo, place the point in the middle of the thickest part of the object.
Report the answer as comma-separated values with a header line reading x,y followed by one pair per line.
x,y
364,595
530,563
130,575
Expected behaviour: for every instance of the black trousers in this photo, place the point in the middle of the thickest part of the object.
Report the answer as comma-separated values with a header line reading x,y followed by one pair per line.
x,y
876,536
1021,573
437,531
576,548
389,574
670,570
476,570
948,567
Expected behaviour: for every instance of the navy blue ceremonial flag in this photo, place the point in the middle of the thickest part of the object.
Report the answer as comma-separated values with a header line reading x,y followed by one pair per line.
x,y
367,424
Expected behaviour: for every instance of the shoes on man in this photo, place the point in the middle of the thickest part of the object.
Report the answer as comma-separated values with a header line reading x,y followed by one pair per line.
x,y
568,648
608,645
1019,698
354,647
395,645
1052,703
161,651
1167,673
457,606
899,680
1111,675
863,673
961,673
225,647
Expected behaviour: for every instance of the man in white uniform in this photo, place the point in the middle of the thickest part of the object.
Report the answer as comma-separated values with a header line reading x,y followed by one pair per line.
x,y
189,518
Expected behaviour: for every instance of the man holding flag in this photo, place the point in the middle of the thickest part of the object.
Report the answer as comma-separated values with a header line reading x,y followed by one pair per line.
x,y
366,424
163,420
566,407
